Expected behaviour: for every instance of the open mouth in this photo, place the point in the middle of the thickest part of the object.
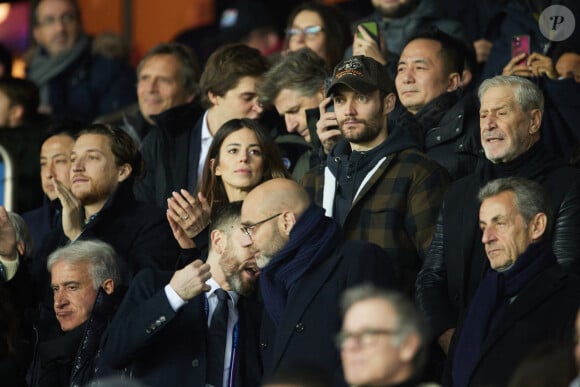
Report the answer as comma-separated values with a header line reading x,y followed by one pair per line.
x,y
252,271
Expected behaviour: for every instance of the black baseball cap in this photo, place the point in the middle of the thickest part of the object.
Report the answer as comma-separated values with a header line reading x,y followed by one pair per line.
x,y
363,74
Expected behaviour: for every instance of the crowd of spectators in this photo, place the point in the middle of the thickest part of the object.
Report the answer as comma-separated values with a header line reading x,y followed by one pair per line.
x,y
303,193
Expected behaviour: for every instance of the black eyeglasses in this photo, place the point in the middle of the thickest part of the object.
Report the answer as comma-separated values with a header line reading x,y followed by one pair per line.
x,y
307,32
363,338
249,230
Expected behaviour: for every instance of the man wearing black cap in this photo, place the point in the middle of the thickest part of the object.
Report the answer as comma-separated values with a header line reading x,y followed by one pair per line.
x,y
375,181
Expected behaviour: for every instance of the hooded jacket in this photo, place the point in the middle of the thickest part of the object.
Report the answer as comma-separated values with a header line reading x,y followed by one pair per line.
x,y
396,204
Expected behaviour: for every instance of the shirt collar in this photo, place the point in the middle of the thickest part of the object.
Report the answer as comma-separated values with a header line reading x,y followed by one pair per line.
x,y
205,133
214,285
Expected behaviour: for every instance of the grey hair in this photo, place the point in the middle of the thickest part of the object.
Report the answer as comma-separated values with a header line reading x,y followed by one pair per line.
x,y
190,68
100,255
301,70
530,197
527,94
409,319
21,230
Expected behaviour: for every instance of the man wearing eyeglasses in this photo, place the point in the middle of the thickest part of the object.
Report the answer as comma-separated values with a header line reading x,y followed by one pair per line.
x,y
383,338
74,83
305,265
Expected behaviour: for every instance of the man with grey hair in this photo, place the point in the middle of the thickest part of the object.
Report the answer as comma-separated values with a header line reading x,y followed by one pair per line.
x,y
383,337
84,282
524,298
295,86
510,122
167,81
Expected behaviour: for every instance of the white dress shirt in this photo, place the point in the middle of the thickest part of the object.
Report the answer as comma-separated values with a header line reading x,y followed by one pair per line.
x,y
177,302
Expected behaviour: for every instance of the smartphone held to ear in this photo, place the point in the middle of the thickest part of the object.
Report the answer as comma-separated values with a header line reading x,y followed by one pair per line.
x,y
372,28
521,44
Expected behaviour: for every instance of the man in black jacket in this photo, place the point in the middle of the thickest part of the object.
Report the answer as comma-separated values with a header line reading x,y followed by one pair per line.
x,y
84,282
428,81
176,148
74,82
161,334
525,297
306,264
510,120
100,203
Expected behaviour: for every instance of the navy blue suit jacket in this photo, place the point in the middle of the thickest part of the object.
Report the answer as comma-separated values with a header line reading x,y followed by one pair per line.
x,y
160,347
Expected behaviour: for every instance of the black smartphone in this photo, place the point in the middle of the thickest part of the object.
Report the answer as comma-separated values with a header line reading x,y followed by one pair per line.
x,y
330,106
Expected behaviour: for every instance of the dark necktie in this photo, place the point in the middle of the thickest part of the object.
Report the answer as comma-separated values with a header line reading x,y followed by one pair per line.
x,y
218,332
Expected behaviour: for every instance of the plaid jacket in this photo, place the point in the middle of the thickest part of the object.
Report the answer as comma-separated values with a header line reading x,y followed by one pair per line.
x,y
396,208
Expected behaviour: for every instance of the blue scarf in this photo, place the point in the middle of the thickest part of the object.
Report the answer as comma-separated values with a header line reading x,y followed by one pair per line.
x,y
312,239
489,303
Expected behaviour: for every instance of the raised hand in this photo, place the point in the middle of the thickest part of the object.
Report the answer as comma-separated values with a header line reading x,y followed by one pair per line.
x,y
187,216
72,211
190,281
7,237
327,127
513,68
367,46
542,65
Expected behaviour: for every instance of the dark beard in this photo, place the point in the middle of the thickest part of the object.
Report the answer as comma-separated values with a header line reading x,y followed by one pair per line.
x,y
400,11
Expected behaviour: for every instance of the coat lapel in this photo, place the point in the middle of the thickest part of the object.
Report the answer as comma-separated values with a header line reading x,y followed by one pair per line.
x,y
298,302
542,287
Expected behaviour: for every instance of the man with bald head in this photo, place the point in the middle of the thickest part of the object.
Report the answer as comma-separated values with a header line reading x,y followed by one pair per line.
x,y
305,265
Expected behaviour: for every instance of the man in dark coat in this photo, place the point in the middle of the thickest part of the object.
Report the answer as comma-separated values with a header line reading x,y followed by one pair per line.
x,y
510,119
306,264
100,203
175,149
85,282
525,297
74,83
161,335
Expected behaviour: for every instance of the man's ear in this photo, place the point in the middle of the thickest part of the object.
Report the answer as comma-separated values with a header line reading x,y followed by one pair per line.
x,y
389,103
537,226
15,115
409,348
124,172
288,221
535,121
218,242
108,286
453,82
213,98
20,248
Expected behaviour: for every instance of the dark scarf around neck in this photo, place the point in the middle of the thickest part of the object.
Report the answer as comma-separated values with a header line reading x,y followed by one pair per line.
x,y
489,303
311,239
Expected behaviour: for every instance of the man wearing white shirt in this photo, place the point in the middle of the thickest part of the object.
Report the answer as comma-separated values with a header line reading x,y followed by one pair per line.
x,y
162,331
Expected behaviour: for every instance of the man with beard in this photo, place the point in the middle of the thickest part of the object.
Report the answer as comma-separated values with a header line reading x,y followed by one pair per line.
x,y
161,334
100,203
306,264
375,181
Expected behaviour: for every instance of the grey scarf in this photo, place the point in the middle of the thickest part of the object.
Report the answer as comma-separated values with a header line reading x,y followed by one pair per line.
x,y
44,67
